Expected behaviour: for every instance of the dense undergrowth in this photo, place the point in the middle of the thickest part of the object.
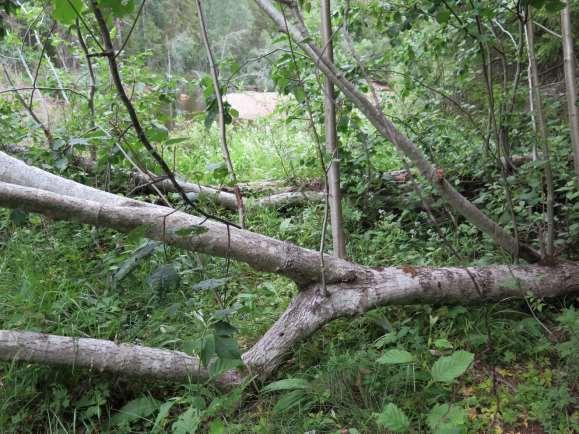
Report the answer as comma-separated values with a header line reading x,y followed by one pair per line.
x,y
379,372
55,277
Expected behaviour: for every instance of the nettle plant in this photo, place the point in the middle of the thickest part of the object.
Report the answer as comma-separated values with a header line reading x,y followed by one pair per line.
x,y
443,418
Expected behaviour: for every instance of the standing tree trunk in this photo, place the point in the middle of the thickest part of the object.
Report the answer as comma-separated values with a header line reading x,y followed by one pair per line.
x,y
541,131
335,194
91,87
570,83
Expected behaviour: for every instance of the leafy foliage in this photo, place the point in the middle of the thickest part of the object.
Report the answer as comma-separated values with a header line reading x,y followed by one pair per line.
x,y
448,368
393,419
397,368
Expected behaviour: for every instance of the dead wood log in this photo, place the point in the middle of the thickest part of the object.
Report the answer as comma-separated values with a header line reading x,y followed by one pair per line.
x,y
350,289
107,356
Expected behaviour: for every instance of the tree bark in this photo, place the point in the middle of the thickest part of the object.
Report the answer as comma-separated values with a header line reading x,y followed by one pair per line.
x,y
335,193
310,309
106,356
32,189
570,83
350,289
229,200
387,129
536,102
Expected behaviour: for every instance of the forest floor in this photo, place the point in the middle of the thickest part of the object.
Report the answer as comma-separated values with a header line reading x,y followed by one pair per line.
x,y
55,277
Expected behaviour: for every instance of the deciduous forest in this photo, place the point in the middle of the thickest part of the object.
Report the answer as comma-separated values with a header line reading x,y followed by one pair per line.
x,y
289,216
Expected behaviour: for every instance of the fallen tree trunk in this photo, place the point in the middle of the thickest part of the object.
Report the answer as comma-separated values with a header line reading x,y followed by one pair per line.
x,y
33,189
226,199
283,196
107,356
349,289
311,309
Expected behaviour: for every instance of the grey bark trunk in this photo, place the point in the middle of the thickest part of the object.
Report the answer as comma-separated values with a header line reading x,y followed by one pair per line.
x,y
570,83
350,289
536,102
106,356
335,193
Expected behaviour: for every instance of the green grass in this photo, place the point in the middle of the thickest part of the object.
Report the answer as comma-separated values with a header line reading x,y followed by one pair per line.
x,y
55,277
266,149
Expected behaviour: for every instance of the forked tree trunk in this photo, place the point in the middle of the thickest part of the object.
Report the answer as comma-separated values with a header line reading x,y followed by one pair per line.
x,y
351,289
348,289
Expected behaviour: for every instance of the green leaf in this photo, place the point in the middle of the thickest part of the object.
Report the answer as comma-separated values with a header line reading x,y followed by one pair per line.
x,y
57,144
287,384
447,369
442,344
61,164
219,170
162,417
157,132
388,338
188,422
137,233
164,278
224,329
395,357
136,409
18,216
209,284
295,398
554,6
191,230
206,348
64,10
300,94
443,16
393,418
217,427
447,419
226,348
119,8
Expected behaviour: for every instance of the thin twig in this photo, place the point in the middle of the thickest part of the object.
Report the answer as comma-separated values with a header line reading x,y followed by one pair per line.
x,y
64,89
39,64
139,12
221,109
